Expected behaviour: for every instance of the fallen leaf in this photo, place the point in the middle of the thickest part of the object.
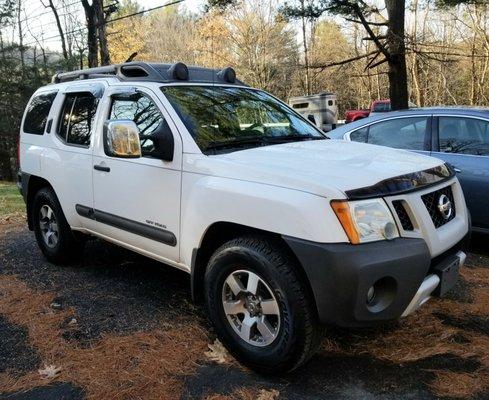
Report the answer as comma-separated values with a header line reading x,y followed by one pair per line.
x,y
49,371
271,394
217,352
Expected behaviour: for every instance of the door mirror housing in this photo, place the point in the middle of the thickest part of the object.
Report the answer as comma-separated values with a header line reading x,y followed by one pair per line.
x,y
163,141
121,139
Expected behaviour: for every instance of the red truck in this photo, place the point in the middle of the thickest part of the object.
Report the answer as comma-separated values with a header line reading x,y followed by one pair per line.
x,y
377,106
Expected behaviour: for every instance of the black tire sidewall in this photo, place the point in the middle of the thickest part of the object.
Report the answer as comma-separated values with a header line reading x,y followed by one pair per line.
x,y
63,249
285,349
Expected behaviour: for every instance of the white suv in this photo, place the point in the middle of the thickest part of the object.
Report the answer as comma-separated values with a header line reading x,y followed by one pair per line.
x,y
281,229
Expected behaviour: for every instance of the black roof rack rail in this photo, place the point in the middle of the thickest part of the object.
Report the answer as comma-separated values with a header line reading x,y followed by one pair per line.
x,y
153,72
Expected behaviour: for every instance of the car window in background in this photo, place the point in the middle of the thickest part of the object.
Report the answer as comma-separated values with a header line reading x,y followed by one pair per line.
x,y
360,135
381,107
401,133
464,135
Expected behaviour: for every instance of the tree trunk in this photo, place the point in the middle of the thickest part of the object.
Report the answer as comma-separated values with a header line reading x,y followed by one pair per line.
x,y
60,29
398,91
102,32
21,38
92,43
306,52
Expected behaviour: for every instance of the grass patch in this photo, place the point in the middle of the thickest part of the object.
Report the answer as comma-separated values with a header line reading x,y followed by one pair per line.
x,y
11,201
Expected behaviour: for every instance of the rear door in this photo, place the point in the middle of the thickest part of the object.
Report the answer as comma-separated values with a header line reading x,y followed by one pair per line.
x,y
464,143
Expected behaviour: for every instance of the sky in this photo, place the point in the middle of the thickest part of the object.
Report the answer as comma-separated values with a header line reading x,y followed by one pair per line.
x,y
41,20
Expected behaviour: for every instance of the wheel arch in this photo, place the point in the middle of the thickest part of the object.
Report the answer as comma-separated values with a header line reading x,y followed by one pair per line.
x,y
33,185
221,232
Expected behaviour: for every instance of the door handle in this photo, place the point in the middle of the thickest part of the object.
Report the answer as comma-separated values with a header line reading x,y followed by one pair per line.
x,y
457,170
101,168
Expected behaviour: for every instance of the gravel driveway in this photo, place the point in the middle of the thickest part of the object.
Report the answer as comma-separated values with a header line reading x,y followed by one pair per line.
x,y
120,326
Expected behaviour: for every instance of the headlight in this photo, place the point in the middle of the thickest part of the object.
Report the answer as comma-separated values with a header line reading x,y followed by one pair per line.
x,y
365,220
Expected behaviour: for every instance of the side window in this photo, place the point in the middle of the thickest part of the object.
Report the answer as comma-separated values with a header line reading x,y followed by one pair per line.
x,y
145,113
464,135
360,135
37,113
77,117
402,133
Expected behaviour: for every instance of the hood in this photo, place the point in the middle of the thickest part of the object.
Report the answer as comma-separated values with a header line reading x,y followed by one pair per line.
x,y
318,167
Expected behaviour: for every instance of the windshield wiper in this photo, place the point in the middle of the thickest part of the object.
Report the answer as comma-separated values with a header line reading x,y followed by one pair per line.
x,y
258,140
294,138
222,144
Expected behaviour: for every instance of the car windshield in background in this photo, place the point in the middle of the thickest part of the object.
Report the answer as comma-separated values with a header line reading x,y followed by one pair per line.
x,y
223,119
382,107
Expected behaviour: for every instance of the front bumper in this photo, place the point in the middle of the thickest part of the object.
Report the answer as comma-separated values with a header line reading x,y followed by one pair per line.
x,y
401,271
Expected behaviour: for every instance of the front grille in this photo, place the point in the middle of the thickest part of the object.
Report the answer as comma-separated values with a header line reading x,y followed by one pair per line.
x,y
403,216
431,201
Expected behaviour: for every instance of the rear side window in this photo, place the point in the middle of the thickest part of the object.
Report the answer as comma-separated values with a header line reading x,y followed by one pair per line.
x,y
401,133
77,117
464,136
37,113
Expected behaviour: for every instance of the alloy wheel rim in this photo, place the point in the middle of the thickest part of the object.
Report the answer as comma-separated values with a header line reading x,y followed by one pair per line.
x,y
251,308
48,226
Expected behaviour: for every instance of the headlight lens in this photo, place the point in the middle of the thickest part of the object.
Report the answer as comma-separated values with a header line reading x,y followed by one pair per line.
x,y
365,220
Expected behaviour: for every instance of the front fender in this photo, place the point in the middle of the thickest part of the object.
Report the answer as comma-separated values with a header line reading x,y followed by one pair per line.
x,y
209,199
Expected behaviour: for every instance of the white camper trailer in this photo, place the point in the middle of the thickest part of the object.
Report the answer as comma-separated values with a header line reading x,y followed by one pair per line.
x,y
321,109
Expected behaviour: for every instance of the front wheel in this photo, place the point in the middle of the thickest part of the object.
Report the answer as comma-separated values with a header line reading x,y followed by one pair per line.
x,y
259,306
53,233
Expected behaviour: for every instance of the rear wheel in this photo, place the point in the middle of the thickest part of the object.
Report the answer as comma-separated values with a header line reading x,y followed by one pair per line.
x,y
259,306
53,234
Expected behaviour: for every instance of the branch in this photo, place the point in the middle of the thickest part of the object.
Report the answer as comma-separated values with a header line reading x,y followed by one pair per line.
x,y
378,63
380,37
337,63
371,33
373,23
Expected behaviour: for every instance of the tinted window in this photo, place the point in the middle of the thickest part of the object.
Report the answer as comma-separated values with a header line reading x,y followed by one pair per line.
x,y
330,102
37,113
77,118
401,133
360,135
464,135
382,107
144,112
229,118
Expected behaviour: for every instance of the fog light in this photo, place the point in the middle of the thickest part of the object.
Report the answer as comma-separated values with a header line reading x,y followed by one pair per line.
x,y
371,295
390,231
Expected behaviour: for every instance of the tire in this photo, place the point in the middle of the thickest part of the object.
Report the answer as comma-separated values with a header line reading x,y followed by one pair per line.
x,y
53,234
291,337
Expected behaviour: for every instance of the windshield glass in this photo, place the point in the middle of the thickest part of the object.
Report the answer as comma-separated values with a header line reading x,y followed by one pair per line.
x,y
383,106
223,119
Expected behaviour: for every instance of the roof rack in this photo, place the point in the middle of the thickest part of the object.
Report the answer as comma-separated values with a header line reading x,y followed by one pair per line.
x,y
153,72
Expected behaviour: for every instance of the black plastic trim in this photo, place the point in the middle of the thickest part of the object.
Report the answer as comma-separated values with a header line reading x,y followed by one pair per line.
x,y
403,183
341,274
138,228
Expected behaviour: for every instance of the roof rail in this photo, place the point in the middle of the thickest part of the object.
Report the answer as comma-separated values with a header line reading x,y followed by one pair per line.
x,y
154,72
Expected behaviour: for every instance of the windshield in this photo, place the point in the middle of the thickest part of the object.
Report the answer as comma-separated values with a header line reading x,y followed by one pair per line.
x,y
223,119
382,106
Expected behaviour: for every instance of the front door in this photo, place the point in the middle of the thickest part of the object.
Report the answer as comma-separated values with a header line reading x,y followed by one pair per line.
x,y
464,143
137,201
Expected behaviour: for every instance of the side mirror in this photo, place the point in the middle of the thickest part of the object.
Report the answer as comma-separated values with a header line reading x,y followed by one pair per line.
x,y
311,118
163,142
121,139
